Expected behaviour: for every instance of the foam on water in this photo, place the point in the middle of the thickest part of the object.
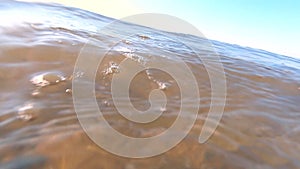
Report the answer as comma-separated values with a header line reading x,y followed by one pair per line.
x,y
113,68
27,112
48,78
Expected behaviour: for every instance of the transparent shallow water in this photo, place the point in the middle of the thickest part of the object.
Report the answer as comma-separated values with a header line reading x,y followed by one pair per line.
x,y
39,128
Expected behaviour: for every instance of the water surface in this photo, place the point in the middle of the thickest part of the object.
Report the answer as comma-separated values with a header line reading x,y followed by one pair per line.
x,y
39,128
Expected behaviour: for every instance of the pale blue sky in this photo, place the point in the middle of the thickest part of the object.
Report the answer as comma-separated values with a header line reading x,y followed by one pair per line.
x,y
271,25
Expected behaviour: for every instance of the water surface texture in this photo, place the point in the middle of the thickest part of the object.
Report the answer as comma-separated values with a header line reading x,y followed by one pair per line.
x,y
39,128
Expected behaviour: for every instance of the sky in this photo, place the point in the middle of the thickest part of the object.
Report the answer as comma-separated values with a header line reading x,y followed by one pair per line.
x,y
272,25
